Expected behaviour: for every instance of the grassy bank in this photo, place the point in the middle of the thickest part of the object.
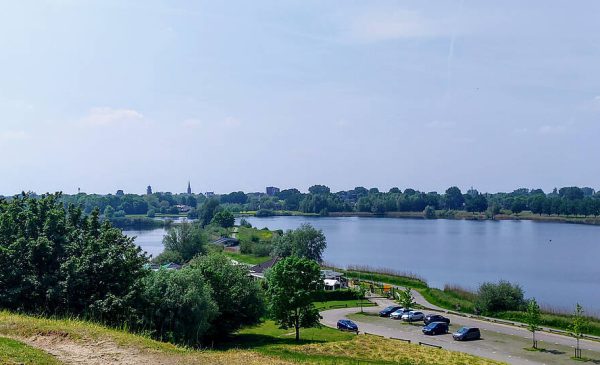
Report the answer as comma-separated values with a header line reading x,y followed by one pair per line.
x,y
15,352
246,258
76,341
558,321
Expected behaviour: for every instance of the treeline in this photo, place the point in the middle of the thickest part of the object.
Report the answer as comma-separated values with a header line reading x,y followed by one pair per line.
x,y
566,201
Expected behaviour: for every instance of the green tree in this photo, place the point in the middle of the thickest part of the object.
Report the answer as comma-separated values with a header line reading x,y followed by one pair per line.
x,y
208,210
578,327
236,294
454,198
533,318
292,283
224,219
406,299
186,239
177,306
109,211
306,241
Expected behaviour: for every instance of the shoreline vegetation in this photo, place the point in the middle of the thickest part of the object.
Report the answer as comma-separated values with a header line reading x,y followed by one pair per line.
x,y
440,214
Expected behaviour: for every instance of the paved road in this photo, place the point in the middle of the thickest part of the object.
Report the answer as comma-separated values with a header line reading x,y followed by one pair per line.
x,y
500,342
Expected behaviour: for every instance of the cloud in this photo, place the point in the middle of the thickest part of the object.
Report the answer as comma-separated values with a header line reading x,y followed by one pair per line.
x,y
105,116
13,135
552,129
391,24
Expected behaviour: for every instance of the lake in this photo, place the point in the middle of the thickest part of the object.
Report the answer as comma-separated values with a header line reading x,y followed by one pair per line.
x,y
558,264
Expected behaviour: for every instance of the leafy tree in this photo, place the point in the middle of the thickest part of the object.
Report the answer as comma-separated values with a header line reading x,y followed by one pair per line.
x,y
151,213
319,190
533,318
578,327
236,294
56,260
503,296
454,198
208,210
224,219
177,306
186,239
406,299
306,241
244,223
292,283
109,211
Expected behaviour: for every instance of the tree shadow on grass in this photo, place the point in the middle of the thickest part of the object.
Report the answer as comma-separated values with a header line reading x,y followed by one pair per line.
x,y
254,341
545,351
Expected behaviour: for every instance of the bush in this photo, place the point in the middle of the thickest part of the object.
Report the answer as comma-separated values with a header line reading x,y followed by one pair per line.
x,y
244,223
500,297
177,306
236,294
262,249
331,295
151,213
265,213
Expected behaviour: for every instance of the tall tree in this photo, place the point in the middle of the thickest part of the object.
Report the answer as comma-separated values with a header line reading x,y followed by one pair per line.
x,y
533,318
292,283
184,240
578,327
454,198
208,210
306,241
406,298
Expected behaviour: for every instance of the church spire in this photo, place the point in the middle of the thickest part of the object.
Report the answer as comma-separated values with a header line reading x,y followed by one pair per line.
x,y
189,189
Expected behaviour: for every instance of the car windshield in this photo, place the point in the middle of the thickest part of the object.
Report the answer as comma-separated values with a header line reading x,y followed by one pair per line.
x,y
391,308
463,330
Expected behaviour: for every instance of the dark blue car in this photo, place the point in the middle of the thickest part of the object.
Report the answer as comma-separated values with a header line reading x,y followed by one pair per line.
x,y
347,325
389,310
435,328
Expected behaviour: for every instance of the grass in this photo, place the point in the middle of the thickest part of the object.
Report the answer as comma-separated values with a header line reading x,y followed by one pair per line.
x,y
247,234
450,298
246,259
15,352
558,321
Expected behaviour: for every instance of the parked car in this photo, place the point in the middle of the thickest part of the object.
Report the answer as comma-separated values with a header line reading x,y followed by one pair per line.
x,y
399,313
413,316
435,328
430,318
347,325
466,334
389,310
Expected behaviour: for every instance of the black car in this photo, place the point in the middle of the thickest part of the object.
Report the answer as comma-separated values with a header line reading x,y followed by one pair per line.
x,y
436,318
389,310
466,334
347,325
435,328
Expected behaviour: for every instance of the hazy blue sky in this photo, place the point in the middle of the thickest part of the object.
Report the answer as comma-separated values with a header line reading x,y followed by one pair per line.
x,y
232,95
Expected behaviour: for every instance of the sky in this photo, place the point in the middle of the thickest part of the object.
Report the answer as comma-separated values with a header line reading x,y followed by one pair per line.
x,y
239,95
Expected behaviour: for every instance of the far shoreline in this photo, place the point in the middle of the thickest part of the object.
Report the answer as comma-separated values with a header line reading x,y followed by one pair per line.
x,y
451,215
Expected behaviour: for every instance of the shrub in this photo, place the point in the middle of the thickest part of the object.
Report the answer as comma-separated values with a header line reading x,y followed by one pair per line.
x,y
331,295
177,306
503,296
265,213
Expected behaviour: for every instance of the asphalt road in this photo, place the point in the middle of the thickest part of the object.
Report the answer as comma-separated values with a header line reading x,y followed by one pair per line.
x,y
499,342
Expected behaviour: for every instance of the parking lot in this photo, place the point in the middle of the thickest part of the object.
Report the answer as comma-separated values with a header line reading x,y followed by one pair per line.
x,y
499,342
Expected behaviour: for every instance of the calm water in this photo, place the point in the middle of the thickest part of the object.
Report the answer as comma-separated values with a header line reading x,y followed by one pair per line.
x,y
556,263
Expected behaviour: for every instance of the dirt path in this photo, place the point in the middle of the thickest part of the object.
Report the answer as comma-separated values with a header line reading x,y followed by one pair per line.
x,y
93,352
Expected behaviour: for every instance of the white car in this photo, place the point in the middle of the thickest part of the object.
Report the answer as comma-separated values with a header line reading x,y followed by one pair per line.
x,y
413,316
399,313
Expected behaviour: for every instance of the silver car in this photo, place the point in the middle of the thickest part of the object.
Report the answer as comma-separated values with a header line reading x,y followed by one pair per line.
x,y
413,316
399,313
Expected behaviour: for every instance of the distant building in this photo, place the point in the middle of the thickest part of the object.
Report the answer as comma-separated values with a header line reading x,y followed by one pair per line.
x,y
258,271
272,190
149,190
120,193
210,194
189,189
227,242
